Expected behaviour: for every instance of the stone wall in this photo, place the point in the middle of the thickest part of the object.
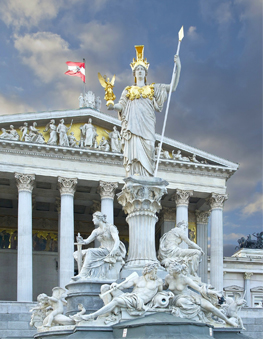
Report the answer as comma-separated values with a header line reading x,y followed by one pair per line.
x,y
253,322
15,319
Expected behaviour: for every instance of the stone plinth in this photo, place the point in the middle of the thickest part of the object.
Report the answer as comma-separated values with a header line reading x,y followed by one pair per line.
x,y
141,199
85,293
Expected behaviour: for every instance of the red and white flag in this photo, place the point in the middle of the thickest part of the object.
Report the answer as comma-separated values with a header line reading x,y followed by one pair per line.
x,y
76,69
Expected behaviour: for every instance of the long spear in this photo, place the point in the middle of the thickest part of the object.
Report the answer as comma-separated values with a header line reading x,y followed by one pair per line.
x,y
180,38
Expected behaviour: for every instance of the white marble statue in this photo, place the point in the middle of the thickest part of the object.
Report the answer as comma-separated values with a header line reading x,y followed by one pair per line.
x,y
62,131
106,261
24,130
34,135
178,156
98,103
90,134
193,158
144,290
90,99
73,142
169,248
115,139
10,134
104,145
81,101
82,136
49,310
232,307
136,109
195,303
51,127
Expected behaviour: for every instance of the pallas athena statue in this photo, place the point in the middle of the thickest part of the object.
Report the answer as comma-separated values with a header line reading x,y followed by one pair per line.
x,y
136,109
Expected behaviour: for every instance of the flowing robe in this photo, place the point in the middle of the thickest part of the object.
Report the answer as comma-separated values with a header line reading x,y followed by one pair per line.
x,y
138,128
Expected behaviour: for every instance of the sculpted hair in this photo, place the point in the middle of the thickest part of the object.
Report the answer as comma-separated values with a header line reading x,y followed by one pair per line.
x,y
100,216
149,268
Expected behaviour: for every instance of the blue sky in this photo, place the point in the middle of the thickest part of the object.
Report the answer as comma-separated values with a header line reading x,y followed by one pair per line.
x,y
217,106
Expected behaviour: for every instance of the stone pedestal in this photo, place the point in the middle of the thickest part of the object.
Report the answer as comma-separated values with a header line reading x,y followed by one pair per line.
x,y
85,293
141,199
24,250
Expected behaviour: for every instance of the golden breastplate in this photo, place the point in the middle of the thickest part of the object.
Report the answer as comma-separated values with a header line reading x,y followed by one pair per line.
x,y
136,92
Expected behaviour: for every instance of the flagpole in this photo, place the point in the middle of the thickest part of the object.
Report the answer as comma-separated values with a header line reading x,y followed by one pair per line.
x,y
85,79
181,35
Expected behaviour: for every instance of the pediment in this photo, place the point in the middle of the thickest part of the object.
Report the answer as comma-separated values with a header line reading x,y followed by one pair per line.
x,y
233,288
257,289
175,154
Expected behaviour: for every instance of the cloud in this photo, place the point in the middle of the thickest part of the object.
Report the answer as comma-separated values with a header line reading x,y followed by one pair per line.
x,y
193,35
30,13
255,206
13,105
44,53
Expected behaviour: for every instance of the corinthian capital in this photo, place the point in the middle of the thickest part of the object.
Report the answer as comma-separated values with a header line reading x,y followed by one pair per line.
x,y
247,275
25,182
107,189
217,200
182,197
202,216
67,185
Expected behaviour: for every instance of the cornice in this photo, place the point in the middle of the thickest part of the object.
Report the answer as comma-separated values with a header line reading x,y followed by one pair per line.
x,y
97,156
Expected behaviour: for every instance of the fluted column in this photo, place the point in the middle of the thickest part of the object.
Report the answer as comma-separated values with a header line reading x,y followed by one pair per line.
x,y
181,198
141,199
107,193
216,202
25,184
247,276
202,241
167,219
67,189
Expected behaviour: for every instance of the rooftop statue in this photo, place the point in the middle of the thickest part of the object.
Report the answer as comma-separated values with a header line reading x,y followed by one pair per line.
x,y
251,243
115,139
102,262
136,109
62,131
51,127
169,248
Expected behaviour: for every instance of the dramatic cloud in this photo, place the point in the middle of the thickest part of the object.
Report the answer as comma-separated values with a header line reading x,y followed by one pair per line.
x,y
255,206
12,105
26,14
232,236
44,53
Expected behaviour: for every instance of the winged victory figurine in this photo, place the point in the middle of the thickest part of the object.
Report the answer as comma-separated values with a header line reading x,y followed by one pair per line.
x,y
108,86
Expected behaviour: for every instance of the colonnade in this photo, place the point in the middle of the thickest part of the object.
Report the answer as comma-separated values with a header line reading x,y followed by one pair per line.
x,y
67,188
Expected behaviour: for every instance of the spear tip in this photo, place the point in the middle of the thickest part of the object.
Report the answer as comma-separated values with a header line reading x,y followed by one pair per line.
x,y
181,33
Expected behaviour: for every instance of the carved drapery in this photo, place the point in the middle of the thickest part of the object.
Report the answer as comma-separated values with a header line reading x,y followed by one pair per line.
x,y
25,182
217,200
107,189
182,197
202,216
67,185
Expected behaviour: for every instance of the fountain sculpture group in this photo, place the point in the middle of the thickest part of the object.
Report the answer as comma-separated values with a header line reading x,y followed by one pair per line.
x,y
166,283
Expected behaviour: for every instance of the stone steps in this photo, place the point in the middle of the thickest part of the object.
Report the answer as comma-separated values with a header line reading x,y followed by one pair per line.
x,y
14,320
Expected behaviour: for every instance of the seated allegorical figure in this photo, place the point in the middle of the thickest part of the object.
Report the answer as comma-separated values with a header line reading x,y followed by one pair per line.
x,y
105,261
169,248
196,303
